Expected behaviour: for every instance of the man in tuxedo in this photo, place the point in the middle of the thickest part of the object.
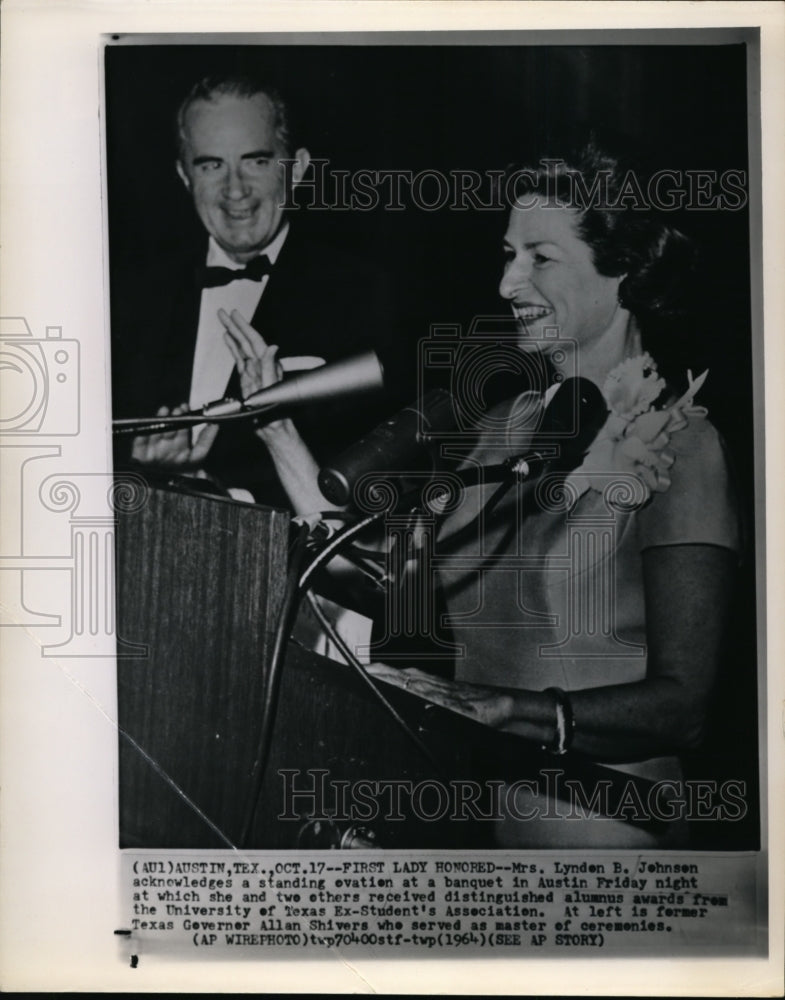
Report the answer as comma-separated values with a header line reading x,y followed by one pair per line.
x,y
317,304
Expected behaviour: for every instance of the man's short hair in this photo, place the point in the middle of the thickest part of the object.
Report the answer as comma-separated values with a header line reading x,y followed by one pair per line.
x,y
212,87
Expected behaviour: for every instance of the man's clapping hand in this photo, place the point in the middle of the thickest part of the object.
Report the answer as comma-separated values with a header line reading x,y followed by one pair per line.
x,y
256,361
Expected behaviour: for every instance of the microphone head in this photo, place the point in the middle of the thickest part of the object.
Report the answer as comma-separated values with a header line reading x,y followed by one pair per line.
x,y
397,446
358,374
573,418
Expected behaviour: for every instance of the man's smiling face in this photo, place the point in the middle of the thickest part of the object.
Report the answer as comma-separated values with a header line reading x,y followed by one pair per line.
x,y
230,163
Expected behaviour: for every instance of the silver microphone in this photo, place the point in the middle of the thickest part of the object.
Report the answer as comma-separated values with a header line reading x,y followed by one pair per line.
x,y
360,373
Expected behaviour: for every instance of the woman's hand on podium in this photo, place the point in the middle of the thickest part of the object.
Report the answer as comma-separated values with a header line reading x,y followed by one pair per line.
x,y
488,705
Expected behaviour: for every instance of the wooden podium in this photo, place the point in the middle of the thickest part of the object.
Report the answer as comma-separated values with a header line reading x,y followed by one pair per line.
x,y
200,583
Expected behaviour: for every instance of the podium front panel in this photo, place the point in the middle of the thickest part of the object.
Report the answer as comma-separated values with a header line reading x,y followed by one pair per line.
x,y
199,583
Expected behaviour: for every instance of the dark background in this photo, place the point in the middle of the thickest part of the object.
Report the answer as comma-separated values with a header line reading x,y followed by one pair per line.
x,y
480,107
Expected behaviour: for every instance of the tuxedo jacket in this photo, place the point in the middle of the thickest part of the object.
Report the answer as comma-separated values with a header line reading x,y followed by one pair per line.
x,y
318,301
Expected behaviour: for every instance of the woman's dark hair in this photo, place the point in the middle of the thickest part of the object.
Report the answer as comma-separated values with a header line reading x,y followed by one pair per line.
x,y
618,218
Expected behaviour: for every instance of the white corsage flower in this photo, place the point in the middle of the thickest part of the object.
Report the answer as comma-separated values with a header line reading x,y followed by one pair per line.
x,y
635,437
632,387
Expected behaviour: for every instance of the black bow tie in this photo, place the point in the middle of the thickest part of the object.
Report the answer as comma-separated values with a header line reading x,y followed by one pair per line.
x,y
255,270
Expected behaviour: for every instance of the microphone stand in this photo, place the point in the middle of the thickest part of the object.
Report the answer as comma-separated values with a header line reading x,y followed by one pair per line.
x,y
222,411
360,373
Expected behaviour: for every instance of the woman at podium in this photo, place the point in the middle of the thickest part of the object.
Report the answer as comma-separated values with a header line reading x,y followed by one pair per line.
x,y
588,600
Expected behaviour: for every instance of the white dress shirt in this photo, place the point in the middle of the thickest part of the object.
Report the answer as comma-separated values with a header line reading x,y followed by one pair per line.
x,y
213,361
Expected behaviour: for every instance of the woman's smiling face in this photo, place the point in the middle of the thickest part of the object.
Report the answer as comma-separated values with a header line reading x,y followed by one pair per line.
x,y
550,279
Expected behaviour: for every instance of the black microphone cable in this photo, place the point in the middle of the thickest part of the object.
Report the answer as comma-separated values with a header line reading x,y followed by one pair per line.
x,y
340,537
297,579
337,639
